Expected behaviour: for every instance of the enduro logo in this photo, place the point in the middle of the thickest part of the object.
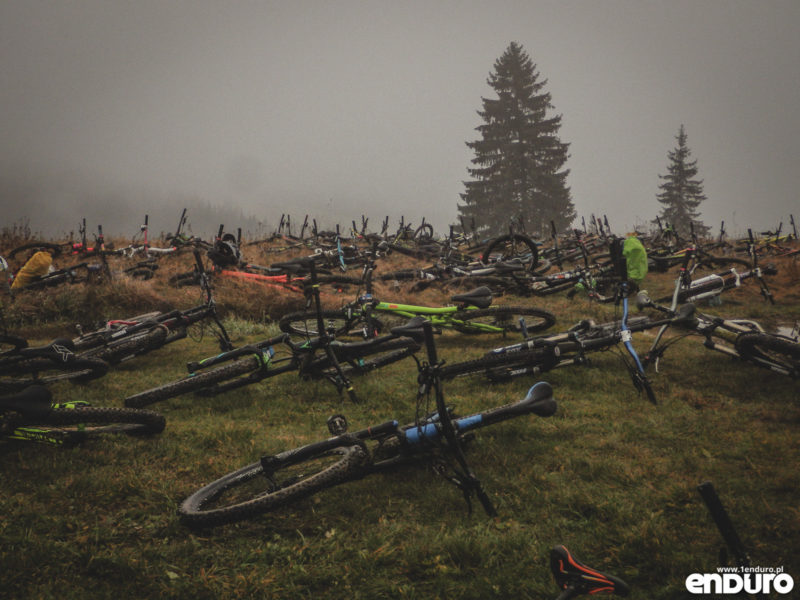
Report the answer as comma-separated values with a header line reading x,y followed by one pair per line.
x,y
735,580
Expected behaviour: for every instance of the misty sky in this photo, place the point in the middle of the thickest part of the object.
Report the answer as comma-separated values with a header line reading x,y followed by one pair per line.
x,y
342,108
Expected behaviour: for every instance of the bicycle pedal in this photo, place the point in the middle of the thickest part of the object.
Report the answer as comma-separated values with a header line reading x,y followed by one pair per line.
x,y
337,424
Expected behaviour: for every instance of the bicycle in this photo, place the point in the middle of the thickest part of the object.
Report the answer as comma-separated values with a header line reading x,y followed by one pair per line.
x,y
122,339
472,313
281,479
31,415
742,339
22,365
711,286
320,357
82,272
536,355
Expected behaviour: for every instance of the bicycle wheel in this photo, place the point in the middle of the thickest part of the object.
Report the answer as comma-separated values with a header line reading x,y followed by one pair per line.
x,y
424,232
512,247
43,371
305,324
204,379
99,337
498,285
507,319
780,354
251,491
66,425
126,348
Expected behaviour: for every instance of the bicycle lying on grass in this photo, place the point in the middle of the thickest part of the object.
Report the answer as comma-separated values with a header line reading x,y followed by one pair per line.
x,y
282,479
31,415
711,286
22,365
123,339
539,354
743,339
471,314
320,357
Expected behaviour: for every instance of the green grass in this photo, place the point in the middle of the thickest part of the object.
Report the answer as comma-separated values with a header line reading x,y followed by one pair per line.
x,y
610,476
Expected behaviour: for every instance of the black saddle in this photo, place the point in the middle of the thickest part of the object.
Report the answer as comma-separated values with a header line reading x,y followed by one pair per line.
x,y
479,297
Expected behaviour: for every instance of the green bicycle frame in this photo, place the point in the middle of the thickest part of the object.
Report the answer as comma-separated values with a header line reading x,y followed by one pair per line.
x,y
438,316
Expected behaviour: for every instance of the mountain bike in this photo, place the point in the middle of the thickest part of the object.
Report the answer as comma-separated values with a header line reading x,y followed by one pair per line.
x,y
575,578
742,339
22,365
536,355
281,479
318,357
78,273
69,247
690,290
701,257
472,313
31,415
122,339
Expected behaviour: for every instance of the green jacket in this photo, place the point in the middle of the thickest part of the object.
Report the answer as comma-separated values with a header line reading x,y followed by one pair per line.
x,y
636,259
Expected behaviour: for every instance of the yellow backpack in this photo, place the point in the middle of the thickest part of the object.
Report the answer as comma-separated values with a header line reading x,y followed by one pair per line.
x,y
37,266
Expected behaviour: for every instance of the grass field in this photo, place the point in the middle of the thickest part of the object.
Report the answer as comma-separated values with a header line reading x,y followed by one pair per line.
x,y
610,475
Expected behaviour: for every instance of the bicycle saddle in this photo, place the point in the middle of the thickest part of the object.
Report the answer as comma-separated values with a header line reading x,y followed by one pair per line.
x,y
63,348
539,400
571,574
33,400
479,297
411,328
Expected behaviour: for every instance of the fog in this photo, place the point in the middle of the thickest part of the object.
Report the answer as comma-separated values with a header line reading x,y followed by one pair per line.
x,y
111,110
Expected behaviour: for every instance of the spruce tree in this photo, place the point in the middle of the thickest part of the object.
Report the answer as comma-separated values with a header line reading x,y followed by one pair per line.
x,y
518,171
681,194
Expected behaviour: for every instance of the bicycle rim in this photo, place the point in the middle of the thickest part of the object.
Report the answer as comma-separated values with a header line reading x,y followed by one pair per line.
x,y
503,319
249,491
772,352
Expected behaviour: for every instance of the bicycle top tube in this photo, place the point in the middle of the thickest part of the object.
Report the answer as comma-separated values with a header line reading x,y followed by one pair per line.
x,y
539,400
415,310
